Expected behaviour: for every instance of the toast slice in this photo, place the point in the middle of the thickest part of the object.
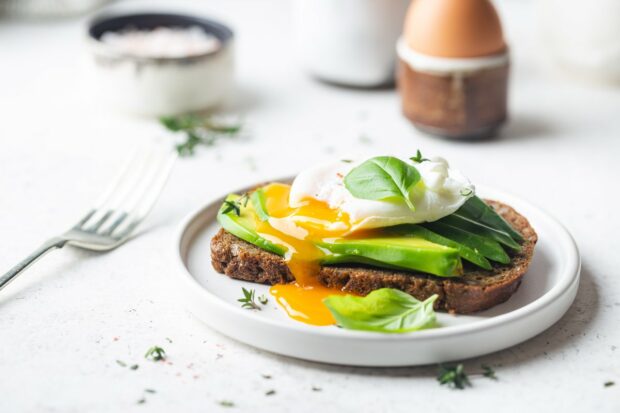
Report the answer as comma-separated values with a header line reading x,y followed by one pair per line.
x,y
476,290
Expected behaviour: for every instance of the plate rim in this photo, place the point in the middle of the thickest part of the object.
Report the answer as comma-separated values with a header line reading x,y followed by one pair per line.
x,y
570,275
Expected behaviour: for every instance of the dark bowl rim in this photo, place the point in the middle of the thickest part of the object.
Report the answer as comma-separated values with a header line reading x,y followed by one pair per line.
x,y
220,30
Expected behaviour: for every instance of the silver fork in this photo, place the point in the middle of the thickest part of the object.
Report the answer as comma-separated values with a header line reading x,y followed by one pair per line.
x,y
117,213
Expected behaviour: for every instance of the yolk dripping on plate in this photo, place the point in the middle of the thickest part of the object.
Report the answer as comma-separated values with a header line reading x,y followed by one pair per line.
x,y
298,229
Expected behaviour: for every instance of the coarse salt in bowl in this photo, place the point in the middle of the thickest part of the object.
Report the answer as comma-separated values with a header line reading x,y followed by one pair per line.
x,y
161,64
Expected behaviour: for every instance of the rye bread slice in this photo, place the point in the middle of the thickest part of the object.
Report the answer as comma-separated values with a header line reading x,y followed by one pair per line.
x,y
476,290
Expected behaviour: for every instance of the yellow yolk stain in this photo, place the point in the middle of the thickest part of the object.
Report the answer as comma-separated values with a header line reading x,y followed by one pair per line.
x,y
297,229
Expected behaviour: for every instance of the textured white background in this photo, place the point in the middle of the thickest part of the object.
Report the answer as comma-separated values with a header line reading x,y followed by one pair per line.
x,y
65,322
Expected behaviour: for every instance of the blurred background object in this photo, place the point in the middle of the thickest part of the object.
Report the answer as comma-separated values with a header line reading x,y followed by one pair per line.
x,y
48,8
161,64
453,73
349,42
583,37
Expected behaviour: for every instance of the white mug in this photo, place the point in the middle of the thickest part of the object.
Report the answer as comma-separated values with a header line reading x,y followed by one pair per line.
x,y
350,42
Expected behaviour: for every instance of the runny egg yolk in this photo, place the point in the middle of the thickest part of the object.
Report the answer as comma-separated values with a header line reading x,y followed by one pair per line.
x,y
298,229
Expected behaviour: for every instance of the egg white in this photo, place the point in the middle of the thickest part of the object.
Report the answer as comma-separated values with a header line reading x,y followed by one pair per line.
x,y
443,190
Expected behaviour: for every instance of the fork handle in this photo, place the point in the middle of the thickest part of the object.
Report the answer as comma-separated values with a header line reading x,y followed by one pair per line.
x,y
29,260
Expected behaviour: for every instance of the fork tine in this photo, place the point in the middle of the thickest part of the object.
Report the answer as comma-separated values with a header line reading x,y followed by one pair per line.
x,y
126,170
100,221
85,218
118,221
123,187
145,200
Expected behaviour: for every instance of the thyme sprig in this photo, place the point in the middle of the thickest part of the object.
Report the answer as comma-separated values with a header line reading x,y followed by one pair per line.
x,y
198,130
488,372
418,157
248,299
155,353
456,378
235,206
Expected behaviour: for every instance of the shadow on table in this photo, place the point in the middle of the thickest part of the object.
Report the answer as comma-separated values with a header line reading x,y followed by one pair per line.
x,y
33,280
523,127
519,127
548,345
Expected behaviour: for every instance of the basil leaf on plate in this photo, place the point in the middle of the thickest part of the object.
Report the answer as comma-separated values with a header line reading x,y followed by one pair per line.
x,y
382,178
386,310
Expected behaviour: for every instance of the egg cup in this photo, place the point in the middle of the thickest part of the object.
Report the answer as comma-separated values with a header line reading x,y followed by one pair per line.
x,y
464,98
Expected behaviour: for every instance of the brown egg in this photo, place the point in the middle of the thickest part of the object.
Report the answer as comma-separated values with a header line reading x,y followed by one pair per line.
x,y
454,28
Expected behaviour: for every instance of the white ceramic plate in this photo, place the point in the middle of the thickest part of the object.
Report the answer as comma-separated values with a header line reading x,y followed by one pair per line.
x,y
546,293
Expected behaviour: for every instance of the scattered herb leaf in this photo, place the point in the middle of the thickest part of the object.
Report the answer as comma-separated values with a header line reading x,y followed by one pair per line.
x,y
315,388
487,371
270,393
418,157
121,363
141,401
346,160
248,299
263,299
198,130
155,353
453,377
168,340
266,376
134,367
226,403
609,383
150,391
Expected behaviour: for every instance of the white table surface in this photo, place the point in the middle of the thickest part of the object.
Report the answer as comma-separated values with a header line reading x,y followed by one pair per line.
x,y
66,321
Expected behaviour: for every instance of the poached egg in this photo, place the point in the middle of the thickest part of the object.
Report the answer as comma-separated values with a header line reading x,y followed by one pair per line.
x,y
440,192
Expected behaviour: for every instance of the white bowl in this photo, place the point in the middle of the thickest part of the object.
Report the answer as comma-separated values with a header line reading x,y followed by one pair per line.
x,y
159,86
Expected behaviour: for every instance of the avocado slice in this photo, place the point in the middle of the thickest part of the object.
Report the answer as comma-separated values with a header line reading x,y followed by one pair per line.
x,y
243,226
411,253
469,254
403,252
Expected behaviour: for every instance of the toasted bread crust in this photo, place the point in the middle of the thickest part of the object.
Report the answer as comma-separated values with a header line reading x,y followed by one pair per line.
x,y
476,290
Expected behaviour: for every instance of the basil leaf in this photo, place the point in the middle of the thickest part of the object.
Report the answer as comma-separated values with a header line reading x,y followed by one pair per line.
x,y
386,310
382,178
488,247
478,228
476,209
